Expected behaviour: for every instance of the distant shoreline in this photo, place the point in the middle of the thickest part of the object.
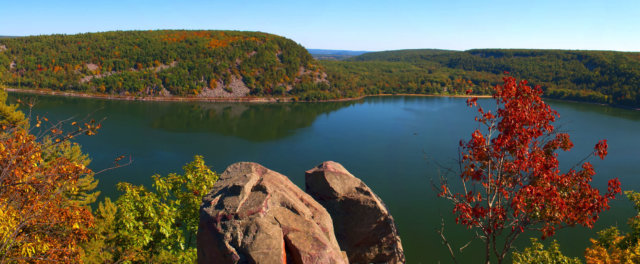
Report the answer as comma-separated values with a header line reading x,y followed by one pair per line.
x,y
213,99
253,99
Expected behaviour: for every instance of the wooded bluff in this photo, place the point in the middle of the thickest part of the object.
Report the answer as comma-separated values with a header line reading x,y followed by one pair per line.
x,y
161,63
214,64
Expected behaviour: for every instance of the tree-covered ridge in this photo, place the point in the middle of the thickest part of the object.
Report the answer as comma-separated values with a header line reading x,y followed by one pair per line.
x,y
158,63
397,77
596,76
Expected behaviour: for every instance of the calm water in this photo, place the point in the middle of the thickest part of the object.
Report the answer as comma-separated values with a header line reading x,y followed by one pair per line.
x,y
397,145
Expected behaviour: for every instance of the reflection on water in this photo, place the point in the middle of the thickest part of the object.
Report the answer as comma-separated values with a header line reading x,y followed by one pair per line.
x,y
254,122
617,112
250,121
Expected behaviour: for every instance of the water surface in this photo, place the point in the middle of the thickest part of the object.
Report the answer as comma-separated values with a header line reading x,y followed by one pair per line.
x,y
397,145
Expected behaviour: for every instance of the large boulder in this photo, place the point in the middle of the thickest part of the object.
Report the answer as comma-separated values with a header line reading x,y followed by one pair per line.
x,y
364,228
256,215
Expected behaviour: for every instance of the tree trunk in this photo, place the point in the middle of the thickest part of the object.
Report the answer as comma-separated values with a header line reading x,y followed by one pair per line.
x,y
487,251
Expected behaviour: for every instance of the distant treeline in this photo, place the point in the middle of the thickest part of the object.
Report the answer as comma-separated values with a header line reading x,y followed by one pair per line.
x,y
323,54
594,76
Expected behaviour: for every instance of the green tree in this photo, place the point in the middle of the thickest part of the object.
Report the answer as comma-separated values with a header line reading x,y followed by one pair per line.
x,y
82,193
101,248
153,226
10,116
537,253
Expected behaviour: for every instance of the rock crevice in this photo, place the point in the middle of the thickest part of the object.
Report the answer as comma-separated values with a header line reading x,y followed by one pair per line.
x,y
243,220
256,215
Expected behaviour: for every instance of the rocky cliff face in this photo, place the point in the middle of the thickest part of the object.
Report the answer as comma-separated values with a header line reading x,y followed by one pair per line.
x,y
255,215
364,228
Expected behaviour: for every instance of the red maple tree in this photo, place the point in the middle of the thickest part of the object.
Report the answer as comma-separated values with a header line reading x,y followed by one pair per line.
x,y
510,176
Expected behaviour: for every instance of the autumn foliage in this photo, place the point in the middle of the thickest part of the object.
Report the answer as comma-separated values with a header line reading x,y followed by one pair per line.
x,y
45,187
163,62
510,176
215,39
615,247
38,223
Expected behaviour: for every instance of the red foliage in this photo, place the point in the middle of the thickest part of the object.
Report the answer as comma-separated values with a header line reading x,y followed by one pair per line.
x,y
601,148
510,175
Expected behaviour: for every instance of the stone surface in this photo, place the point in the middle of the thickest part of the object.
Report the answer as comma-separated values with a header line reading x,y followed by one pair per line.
x,y
364,228
237,86
255,215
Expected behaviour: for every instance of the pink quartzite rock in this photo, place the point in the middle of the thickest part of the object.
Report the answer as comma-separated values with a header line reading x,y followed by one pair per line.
x,y
256,215
364,228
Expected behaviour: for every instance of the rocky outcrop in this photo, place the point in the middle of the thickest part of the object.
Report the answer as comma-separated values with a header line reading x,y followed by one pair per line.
x,y
236,88
364,228
255,215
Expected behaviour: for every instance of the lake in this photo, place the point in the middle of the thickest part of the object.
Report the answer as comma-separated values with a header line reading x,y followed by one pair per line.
x,y
396,145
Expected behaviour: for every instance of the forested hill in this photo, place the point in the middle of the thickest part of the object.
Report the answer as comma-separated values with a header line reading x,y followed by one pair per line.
x,y
596,76
164,63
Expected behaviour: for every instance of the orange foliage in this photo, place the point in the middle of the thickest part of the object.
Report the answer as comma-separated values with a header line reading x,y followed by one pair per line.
x,y
597,254
38,223
215,40
213,83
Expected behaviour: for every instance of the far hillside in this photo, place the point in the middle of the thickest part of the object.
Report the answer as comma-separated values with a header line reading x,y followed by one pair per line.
x,y
389,73
164,63
595,76
327,54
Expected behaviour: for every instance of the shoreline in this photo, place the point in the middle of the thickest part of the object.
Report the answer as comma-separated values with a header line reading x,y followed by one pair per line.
x,y
213,99
148,98
251,99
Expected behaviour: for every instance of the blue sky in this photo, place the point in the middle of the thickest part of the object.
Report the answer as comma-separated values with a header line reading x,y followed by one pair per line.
x,y
353,25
